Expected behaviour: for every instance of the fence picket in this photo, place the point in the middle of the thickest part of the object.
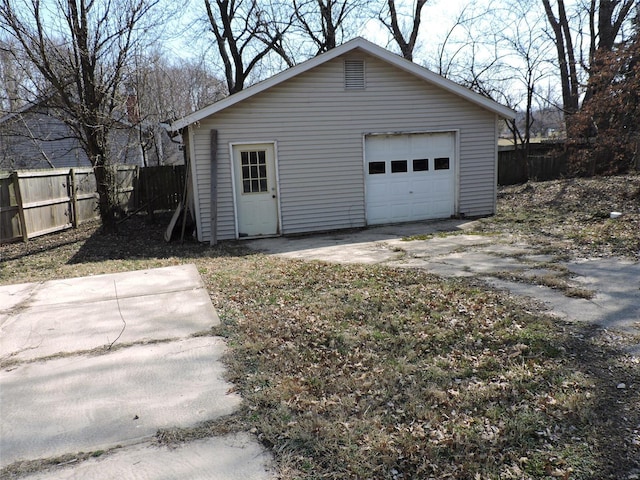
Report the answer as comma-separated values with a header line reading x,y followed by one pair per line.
x,y
21,217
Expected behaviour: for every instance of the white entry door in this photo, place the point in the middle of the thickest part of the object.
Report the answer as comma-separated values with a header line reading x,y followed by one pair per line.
x,y
256,190
409,177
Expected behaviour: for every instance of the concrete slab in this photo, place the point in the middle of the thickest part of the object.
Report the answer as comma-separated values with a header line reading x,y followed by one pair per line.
x,y
13,295
616,282
469,263
84,403
442,245
623,315
367,245
221,458
109,287
54,317
436,267
59,394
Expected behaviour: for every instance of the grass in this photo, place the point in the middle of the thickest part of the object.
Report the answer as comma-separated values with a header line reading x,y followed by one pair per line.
x,y
370,372
445,234
571,216
555,280
373,372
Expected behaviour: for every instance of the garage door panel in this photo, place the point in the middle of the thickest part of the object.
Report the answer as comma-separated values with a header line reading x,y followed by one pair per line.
x,y
421,186
378,190
420,210
378,213
411,189
401,211
399,188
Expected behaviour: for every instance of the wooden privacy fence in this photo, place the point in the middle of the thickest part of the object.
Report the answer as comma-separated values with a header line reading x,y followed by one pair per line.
x,y
545,162
37,202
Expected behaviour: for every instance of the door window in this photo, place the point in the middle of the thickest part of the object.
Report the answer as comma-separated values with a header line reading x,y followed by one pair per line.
x,y
398,166
420,164
254,171
376,168
441,163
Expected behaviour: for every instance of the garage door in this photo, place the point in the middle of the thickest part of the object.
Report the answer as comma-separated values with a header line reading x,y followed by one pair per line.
x,y
409,177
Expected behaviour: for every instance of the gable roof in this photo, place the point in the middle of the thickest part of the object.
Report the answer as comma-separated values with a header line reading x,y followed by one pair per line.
x,y
365,46
23,109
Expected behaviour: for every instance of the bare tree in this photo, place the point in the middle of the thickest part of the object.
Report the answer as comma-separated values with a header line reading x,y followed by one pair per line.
x,y
393,23
246,32
168,90
326,22
611,15
19,84
82,53
9,79
604,30
606,19
609,123
566,55
452,53
525,45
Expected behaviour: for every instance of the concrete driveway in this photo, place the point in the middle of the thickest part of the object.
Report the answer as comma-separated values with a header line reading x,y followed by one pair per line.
x,y
449,248
100,364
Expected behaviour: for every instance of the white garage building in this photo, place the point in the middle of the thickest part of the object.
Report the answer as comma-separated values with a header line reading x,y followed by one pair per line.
x,y
356,136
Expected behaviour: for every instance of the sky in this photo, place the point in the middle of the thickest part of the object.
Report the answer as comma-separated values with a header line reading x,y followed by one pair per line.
x,y
439,18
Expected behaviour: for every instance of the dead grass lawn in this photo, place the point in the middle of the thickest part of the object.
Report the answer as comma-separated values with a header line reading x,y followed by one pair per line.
x,y
368,372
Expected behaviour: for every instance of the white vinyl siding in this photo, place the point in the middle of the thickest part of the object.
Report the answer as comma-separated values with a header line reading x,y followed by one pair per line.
x,y
319,128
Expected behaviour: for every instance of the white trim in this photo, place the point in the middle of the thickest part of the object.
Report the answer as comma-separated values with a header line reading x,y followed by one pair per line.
x,y
367,47
233,190
456,173
364,175
411,132
497,159
277,172
274,143
194,183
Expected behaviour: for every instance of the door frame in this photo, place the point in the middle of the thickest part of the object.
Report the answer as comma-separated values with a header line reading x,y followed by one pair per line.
x,y
456,163
234,171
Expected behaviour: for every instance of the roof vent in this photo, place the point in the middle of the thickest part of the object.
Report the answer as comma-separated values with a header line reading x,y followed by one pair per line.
x,y
354,74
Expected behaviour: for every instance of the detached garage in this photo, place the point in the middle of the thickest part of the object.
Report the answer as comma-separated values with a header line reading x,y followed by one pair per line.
x,y
357,136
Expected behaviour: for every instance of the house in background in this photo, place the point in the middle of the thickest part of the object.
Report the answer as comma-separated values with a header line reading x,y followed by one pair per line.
x,y
353,137
35,138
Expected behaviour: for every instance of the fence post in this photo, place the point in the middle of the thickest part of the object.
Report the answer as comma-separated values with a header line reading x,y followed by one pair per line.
x,y
23,222
74,199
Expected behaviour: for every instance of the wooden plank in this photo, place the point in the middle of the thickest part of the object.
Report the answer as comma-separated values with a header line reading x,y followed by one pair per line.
x,y
85,196
55,228
51,172
10,208
10,226
23,223
214,186
74,199
44,203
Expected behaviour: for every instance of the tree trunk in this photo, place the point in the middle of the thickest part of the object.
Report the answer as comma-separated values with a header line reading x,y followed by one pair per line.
x,y
105,179
406,45
106,202
566,58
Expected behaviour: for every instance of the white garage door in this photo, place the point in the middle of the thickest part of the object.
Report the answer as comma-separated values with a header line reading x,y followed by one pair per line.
x,y
409,177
